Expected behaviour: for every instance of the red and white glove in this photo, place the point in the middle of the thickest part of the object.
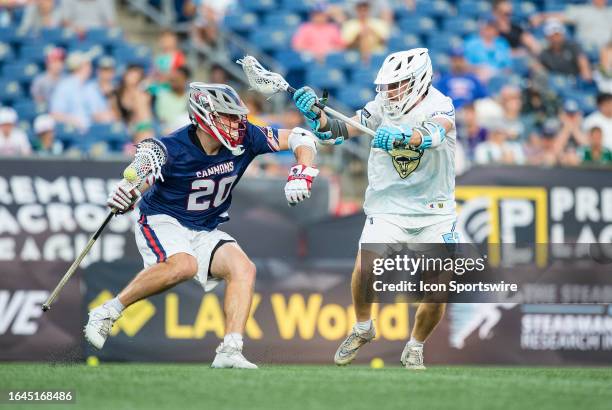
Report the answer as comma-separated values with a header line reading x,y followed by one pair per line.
x,y
299,182
123,198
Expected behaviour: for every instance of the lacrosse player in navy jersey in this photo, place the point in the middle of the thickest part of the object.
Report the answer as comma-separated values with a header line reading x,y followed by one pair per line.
x,y
179,214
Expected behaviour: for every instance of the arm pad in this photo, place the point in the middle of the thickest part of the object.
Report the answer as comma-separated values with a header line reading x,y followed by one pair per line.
x,y
432,134
301,137
338,128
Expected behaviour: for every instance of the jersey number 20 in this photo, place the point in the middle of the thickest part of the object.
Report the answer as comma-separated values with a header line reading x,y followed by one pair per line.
x,y
208,188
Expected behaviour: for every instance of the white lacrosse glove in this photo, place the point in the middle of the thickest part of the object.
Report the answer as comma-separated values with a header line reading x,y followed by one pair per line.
x,y
299,182
124,197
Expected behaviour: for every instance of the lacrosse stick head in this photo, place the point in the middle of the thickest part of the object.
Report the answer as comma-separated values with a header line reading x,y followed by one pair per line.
x,y
150,156
261,80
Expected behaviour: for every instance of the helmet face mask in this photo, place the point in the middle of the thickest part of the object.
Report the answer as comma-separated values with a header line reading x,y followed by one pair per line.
x,y
403,79
218,110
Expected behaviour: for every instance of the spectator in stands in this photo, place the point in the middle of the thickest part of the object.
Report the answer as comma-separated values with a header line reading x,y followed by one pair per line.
x,y
170,57
563,56
468,127
516,35
208,15
45,143
254,103
602,118
488,51
544,149
318,37
171,105
83,15
603,72
102,89
595,153
461,84
218,75
592,22
45,82
498,149
39,15
71,103
365,33
380,9
13,140
518,125
132,104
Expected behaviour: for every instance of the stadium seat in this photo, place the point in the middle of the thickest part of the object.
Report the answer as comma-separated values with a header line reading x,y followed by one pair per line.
x,y
460,26
292,60
473,8
520,65
443,42
560,83
417,25
270,40
86,46
104,36
344,60
258,6
364,76
130,54
33,53
240,22
26,109
295,6
54,35
10,91
282,20
434,8
324,77
404,42
356,97
20,71
6,53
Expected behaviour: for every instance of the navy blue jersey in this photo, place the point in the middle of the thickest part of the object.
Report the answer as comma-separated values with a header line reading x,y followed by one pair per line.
x,y
197,188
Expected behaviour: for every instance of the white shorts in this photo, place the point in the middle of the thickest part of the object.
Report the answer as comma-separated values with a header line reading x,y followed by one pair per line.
x,y
378,229
158,237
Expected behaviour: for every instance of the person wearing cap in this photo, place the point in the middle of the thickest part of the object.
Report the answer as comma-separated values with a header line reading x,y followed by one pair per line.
x,y
602,118
544,148
516,35
44,83
365,33
13,140
487,51
498,149
563,56
460,83
45,143
318,36
101,90
71,103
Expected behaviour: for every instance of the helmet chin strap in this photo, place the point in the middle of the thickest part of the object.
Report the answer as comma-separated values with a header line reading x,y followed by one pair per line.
x,y
237,150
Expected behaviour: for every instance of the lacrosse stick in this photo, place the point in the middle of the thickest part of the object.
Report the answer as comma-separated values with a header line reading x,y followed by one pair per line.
x,y
148,160
269,83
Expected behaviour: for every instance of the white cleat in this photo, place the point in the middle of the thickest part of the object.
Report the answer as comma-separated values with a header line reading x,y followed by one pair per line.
x,y
349,347
412,357
230,357
101,320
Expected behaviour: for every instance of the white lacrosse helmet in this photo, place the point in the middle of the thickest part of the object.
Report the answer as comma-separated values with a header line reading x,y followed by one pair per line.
x,y
403,79
208,103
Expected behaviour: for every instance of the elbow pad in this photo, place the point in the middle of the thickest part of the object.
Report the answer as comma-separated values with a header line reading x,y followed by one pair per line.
x,y
338,128
301,137
432,134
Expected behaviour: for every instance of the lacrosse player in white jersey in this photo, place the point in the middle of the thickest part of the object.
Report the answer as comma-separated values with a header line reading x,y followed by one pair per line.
x,y
411,192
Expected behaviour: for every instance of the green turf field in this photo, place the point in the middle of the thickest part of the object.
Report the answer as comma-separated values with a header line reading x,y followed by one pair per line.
x,y
155,386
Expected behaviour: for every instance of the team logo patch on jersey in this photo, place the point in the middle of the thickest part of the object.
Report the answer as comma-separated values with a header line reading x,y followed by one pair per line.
x,y
406,161
272,141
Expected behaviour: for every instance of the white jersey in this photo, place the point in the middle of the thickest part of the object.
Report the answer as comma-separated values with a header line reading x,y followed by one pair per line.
x,y
411,191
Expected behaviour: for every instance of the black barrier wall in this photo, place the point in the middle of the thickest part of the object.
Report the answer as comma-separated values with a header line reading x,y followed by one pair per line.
x,y
302,305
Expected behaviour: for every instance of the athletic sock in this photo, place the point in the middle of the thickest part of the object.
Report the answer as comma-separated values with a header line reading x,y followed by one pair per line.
x,y
363,327
415,342
233,339
115,304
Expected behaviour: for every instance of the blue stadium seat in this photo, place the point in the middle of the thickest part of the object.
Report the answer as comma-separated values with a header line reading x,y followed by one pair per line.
x,y
20,71
520,65
6,52
364,76
586,101
325,77
417,25
460,25
86,46
473,8
240,22
295,6
33,53
443,42
434,8
404,42
26,109
292,60
258,6
344,60
54,35
8,35
10,91
130,54
560,83
356,97
282,20
105,36
270,40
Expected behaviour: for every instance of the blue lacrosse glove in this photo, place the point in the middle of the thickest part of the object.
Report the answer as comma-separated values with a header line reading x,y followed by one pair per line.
x,y
305,99
386,136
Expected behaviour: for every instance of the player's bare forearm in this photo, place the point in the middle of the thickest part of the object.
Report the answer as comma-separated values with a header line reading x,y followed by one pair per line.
x,y
304,155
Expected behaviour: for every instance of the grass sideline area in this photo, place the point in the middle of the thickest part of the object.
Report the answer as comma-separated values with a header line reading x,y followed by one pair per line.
x,y
183,386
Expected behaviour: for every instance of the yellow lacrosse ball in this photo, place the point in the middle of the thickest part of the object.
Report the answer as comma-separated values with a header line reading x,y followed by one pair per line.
x,y
93,361
377,363
130,174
